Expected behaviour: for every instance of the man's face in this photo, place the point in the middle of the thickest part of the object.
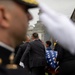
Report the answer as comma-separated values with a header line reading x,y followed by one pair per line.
x,y
19,22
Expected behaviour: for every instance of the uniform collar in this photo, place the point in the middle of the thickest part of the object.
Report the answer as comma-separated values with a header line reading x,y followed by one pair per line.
x,y
7,47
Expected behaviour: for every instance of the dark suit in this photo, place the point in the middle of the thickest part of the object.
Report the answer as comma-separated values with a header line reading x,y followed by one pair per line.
x,y
17,48
67,61
4,61
37,62
20,52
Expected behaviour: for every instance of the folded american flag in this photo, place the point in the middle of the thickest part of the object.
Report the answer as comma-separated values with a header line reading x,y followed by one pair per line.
x,y
51,58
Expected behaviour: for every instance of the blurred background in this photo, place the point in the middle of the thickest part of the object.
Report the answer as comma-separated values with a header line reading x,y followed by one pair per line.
x,y
65,7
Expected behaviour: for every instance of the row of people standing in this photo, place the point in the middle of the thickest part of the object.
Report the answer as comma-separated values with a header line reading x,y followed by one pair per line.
x,y
32,56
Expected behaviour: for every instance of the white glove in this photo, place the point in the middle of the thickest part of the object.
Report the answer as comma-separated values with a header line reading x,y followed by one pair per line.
x,y
21,64
59,26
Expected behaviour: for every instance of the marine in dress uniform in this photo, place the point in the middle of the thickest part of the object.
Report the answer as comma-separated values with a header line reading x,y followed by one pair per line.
x,y
7,67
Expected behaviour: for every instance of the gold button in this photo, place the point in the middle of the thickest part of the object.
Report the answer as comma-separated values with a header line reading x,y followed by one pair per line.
x,y
0,61
31,1
11,66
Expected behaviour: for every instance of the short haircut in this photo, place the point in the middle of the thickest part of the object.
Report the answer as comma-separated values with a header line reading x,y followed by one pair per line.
x,y
49,43
35,35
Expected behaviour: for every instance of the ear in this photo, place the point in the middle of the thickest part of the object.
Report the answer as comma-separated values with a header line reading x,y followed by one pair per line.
x,y
4,17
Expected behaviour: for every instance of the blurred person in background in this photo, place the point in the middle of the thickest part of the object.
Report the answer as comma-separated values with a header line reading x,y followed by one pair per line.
x,y
36,51
21,50
48,45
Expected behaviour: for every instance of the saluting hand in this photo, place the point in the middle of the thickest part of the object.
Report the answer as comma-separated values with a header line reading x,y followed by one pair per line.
x,y
59,26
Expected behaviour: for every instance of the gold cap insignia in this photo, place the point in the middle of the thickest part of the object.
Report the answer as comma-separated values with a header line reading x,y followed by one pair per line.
x,y
30,2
